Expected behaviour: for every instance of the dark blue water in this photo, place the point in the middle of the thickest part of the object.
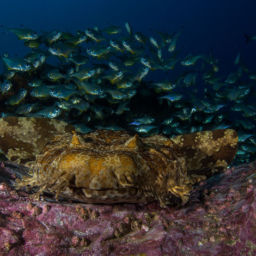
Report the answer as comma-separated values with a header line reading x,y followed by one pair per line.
x,y
207,26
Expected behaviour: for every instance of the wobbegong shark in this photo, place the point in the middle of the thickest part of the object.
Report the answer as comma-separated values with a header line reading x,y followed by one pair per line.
x,y
107,166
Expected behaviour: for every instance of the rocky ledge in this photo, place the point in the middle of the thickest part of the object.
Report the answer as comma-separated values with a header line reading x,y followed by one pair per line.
x,y
219,219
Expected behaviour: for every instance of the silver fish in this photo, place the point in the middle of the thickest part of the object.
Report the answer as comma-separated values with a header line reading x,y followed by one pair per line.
x,y
128,28
90,88
17,98
61,92
24,33
5,86
25,109
171,97
16,64
48,112
42,91
142,120
146,129
190,60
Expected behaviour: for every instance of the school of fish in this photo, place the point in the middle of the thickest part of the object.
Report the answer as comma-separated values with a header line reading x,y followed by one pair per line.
x,y
118,79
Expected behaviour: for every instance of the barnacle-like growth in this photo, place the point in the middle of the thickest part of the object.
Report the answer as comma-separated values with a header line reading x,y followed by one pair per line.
x,y
113,166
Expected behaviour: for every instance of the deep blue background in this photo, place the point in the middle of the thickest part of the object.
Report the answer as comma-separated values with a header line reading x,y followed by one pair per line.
x,y
208,25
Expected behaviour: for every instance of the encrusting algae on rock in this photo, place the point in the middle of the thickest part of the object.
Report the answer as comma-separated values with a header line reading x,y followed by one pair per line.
x,y
113,166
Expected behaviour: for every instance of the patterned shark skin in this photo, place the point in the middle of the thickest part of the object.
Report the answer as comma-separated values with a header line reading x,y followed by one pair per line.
x,y
113,166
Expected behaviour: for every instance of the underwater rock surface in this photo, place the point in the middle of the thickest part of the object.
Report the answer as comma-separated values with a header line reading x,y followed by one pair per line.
x,y
219,219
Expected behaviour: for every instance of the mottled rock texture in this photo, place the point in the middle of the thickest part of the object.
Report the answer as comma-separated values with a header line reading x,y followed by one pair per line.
x,y
219,219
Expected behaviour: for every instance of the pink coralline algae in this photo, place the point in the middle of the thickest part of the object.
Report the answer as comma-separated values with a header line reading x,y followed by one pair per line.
x,y
219,219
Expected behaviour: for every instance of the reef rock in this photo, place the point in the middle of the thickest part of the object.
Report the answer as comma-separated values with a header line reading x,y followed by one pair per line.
x,y
219,219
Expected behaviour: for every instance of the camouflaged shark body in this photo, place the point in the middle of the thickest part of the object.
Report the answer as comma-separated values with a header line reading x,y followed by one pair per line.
x,y
113,166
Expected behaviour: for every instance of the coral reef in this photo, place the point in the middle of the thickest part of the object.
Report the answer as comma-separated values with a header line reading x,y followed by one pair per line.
x,y
220,219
